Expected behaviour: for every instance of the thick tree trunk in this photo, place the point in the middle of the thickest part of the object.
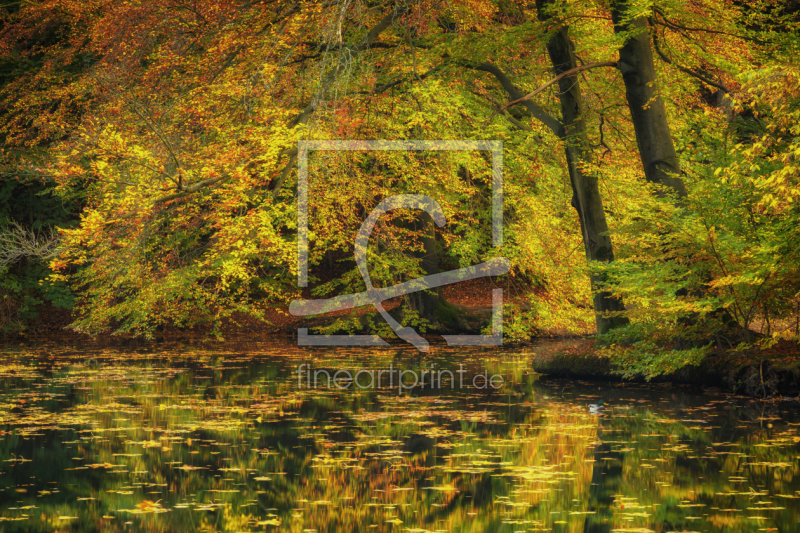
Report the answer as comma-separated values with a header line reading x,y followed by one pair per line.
x,y
585,190
653,135
649,115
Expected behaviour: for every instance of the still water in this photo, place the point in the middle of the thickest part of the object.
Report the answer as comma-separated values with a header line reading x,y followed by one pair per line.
x,y
230,437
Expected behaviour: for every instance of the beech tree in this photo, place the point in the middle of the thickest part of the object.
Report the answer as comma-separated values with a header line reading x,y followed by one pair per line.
x,y
173,128
648,112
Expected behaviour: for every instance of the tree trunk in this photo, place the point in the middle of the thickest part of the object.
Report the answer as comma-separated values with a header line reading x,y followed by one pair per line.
x,y
425,303
653,135
585,190
649,115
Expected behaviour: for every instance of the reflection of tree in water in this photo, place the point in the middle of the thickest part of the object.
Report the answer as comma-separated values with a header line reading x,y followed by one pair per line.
x,y
227,442
694,463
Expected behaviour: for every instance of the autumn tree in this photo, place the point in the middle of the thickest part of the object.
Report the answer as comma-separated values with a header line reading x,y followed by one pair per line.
x,y
174,127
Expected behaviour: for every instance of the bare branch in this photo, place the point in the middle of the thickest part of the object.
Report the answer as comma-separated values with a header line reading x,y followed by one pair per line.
x,y
519,125
538,113
566,74
386,86
17,243
192,188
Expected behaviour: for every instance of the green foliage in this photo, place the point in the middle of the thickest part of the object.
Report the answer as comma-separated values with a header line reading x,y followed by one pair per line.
x,y
172,149
648,349
724,266
29,209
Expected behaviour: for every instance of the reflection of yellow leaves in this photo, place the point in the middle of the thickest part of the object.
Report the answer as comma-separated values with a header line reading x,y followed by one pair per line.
x,y
270,522
188,468
443,488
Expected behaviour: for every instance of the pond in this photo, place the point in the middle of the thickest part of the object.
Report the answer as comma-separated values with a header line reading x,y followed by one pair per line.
x,y
236,437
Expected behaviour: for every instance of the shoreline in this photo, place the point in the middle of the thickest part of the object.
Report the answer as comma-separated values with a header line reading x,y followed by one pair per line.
x,y
759,374
756,376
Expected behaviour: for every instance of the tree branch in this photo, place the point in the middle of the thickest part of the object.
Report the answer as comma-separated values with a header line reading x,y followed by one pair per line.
x,y
685,70
323,48
538,113
330,78
192,188
519,125
344,46
565,74
386,86
365,43
678,27
302,118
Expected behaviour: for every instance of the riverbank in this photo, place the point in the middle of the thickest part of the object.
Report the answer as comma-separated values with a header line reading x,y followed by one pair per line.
x,y
772,373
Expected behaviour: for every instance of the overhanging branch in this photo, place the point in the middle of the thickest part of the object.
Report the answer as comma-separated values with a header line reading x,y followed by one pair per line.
x,y
685,70
565,74
537,112
367,42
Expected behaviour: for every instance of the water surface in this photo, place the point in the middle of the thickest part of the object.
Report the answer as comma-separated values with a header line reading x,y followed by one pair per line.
x,y
225,437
